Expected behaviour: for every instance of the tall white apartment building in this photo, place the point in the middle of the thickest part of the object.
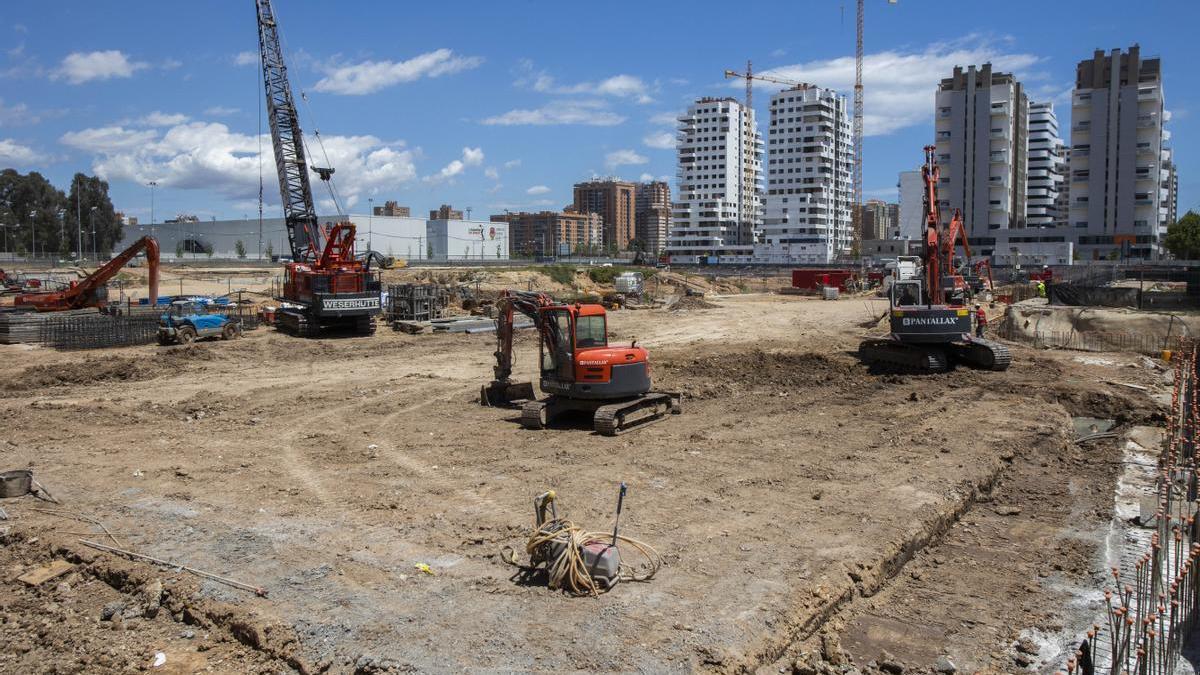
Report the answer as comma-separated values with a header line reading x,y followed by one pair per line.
x,y
911,223
1045,166
981,122
718,210
1118,198
806,215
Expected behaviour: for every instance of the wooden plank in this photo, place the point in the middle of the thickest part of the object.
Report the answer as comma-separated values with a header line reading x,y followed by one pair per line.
x,y
45,573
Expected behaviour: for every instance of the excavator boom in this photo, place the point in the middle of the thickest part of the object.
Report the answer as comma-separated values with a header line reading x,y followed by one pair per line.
x,y
84,293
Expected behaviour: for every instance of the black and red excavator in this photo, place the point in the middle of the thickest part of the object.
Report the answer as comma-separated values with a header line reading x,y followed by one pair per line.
x,y
325,286
580,371
91,290
929,317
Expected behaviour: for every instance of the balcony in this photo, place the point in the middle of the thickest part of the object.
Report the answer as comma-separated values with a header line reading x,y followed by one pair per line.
x,y
999,133
1147,121
1148,94
999,156
1085,125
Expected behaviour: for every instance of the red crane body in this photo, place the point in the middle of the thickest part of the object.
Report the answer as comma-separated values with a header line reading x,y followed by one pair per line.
x,y
85,292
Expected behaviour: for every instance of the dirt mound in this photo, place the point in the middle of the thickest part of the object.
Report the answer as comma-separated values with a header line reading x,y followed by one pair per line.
x,y
729,374
108,369
690,302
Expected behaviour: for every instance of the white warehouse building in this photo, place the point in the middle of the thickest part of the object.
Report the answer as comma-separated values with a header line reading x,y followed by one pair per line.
x,y
401,237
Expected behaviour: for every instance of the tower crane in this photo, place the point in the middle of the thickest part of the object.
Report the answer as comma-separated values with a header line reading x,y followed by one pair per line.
x,y
324,285
856,211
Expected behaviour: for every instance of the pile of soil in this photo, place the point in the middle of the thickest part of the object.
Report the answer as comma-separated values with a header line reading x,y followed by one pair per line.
x,y
108,369
722,375
690,302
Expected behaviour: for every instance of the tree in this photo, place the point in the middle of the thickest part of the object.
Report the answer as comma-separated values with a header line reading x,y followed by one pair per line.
x,y
1183,237
240,249
33,205
88,192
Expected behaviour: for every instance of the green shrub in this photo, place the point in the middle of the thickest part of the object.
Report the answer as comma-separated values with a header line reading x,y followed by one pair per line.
x,y
563,274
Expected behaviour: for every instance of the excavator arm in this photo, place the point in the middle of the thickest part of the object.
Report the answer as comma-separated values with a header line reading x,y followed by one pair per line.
x,y
83,293
502,391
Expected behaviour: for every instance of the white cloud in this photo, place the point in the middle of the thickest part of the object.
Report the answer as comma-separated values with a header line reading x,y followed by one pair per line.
x,y
371,76
512,164
619,86
15,115
537,190
245,59
221,111
646,177
667,118
623,157
472,156
663,140
208,156
591,113
170,64
161,119
492,173
898,87
14,152
80,67
778,52
107,140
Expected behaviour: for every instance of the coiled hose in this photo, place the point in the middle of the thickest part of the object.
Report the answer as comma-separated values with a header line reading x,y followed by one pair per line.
x,y
567,571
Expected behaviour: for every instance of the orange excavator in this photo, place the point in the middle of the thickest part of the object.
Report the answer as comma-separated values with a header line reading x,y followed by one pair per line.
x,y
580,371
929,318
90,291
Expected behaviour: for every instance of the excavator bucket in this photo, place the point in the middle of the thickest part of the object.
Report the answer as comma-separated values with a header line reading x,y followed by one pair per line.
x,y
505,394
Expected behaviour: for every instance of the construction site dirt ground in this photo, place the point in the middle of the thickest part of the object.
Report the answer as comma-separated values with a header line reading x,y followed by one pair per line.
x,y
801,502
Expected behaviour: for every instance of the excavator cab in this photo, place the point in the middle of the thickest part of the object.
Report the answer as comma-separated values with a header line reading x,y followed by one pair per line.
x,y
578,362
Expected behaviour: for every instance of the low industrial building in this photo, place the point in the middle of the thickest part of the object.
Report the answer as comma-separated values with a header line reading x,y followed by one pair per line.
x,y
404,238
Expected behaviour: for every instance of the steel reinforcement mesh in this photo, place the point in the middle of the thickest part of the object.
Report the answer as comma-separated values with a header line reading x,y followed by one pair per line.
x,y
1152,597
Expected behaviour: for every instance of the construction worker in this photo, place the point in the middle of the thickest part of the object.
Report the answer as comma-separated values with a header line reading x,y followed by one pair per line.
x,y
980,320
1041,289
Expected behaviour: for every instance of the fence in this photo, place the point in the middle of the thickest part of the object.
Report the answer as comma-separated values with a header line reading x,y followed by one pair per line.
x,y
1151,606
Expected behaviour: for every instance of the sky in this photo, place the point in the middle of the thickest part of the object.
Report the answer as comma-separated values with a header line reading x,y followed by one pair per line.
x,y
505,105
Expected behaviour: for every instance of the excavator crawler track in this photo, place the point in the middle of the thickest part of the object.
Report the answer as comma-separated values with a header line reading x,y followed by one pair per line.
x,y
918,358
982,354
534,414
618,418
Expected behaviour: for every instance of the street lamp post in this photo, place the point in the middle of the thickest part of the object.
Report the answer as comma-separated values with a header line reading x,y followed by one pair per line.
x,y
153,184
370,222
33,232
92,215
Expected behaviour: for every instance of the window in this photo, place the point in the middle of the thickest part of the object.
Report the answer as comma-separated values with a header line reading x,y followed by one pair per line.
x,y
590,332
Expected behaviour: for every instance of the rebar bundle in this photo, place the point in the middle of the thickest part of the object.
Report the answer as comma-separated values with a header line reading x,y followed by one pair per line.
x,y
1151,606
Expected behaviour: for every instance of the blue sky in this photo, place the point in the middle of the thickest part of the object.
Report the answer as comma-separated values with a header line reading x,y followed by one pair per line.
x,y
497,105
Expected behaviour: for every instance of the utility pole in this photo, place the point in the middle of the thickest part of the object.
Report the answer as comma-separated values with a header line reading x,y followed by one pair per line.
x,y
95,253
153,184
33,232
79,218
370,223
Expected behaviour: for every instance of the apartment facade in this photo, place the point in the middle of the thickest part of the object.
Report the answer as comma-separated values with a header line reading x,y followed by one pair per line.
x,y
875,220
553,233
652,219
392,209
1045,167
911,223
615,201
981,122
718,210
1119,204
806,213
445,212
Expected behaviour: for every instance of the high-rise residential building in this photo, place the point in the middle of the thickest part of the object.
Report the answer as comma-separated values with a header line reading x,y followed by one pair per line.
x,y
1062,205
1117,155
981,121
1045,166
806,213
893,210
652,219
553,233
874,220
1170,183
394,210
911,224
615,201
718,209
444,212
